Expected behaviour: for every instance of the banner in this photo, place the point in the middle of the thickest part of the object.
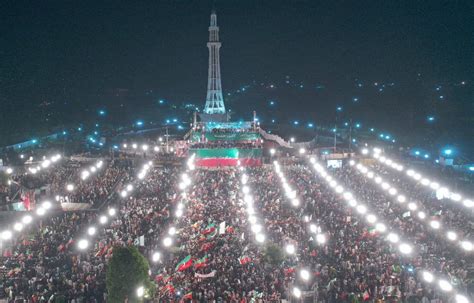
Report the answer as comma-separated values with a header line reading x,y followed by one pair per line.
x,y
209,275
222,228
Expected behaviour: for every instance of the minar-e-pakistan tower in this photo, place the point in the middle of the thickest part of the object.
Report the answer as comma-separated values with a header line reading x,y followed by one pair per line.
x,y
214,99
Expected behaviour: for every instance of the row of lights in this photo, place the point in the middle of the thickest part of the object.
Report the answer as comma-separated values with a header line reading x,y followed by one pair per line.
x,y
291,195
411,206
255,226
86,173
183,185
83,243
441,191
393,238
144,147
290,249
141,175
91,231
361,209
43,165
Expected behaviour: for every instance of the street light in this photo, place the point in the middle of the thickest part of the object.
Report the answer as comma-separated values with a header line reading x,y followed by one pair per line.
x,y
304,274
156,257
140,291
91,231
82,244
297,292
167,242
290,249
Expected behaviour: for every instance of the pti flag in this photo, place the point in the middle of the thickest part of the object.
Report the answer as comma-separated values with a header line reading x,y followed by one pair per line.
x,y
244,260
184,264
200,263
210,228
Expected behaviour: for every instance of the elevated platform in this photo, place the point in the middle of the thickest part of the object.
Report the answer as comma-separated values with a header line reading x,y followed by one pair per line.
x,y
218,144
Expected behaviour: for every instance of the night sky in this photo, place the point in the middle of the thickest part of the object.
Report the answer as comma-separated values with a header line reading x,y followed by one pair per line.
x,y
71,51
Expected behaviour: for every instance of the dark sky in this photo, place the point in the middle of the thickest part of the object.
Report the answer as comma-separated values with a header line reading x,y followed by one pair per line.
x,y
49,47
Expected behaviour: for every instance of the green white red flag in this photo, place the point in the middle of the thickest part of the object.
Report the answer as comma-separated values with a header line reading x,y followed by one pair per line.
x,y
184,264
200,263
244,260
212,234
210,228
188,296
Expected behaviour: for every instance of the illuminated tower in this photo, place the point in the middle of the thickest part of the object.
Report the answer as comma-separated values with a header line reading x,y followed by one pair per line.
x,y
214,99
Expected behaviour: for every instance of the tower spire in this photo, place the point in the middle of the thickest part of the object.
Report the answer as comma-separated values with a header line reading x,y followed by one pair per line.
x,y
214,98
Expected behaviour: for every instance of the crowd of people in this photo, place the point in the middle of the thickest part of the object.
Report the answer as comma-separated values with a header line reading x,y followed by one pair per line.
x,y
238,128
223,130
389,276
44,264
100,186
451,215
227,263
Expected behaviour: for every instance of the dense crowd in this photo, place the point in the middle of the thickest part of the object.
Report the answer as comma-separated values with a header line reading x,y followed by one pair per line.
x,y
44,265
222,130
371,255
459,179
450,214
228,265
249,128
100,186
32,178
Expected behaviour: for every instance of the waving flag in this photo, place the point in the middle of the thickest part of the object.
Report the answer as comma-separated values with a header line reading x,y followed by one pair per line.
x,y
244,260
168,289
206,246
201,262
188,296
184,264
210,228
212,234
